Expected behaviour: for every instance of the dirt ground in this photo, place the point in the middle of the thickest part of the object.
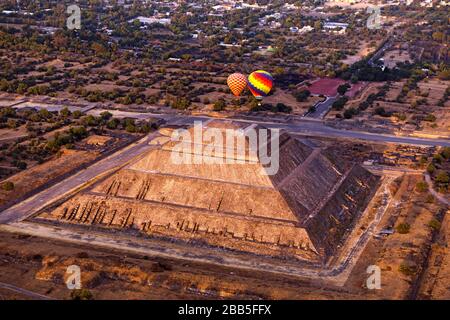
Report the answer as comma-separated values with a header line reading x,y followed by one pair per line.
x,y
391,58
38,175
363,51
417,113
12,134
402,257
436,284
281,96
40,266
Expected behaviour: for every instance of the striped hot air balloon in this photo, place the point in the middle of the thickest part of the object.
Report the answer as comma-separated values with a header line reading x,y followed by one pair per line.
x,y
237,83
260,83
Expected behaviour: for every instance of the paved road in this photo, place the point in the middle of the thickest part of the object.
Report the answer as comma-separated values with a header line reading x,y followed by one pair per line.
x,y
322,108
30,206
24,292
301,126
379,53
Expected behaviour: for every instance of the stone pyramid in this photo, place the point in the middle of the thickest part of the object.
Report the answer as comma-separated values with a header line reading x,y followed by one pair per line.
x,y
303,211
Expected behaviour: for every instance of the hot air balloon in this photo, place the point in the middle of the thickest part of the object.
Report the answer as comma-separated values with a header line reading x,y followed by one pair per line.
x,y
237,83
260,83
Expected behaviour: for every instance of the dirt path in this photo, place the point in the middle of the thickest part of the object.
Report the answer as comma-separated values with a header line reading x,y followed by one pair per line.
x,y
441,198
24,292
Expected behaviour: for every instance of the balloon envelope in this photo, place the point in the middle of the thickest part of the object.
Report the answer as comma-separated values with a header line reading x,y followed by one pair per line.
x,y
237,83
260,83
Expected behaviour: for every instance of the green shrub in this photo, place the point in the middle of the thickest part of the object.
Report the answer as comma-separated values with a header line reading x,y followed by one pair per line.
x,y
81,294
442,177
421,186
220,105
446,152
403,228
8,186
407,269
434,224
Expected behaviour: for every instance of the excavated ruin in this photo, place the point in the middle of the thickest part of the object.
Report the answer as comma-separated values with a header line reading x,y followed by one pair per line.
x,y
304,211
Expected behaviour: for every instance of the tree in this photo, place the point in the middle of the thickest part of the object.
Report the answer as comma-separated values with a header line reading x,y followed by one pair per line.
x,y
106,115
446,153
45,114
12,123
421,186
81,294
407,269
438,36
438,158
78,132
431,168
21,165
318,25
219,105
112,124
65,112
340,103
302,95
434,224
381,112
77,114
130,128
442,177
90,120
281,107
444,74
349,113
8,186
430,118
181,103
403,228
342,89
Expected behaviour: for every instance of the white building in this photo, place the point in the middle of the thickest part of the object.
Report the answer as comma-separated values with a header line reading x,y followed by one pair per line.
x,y
301,30
335,27
152,20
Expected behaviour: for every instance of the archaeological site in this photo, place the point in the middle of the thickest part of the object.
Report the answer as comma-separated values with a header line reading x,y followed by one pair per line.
x,y
303,212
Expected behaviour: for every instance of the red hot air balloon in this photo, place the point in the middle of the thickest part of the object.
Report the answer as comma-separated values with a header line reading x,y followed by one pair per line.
x,y
260,83
237,83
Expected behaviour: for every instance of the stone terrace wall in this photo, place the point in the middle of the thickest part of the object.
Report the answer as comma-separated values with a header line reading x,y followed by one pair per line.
x,y
251,234
330,225
198,193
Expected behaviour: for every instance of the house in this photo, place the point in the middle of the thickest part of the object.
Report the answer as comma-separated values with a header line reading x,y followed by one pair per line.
x,y
335,27
152,20
229,45
302,30
8,12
